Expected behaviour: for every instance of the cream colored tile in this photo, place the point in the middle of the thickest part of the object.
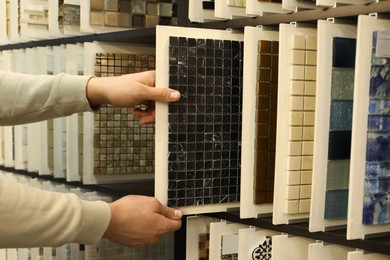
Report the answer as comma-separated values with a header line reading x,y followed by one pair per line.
x,y
310,73
308,118
296,103
292,207
310,88
299,42
304,206
311,58
309,103
297,72
293,178
292,192
305,191
297,87
307,148
296,118
307,163
306,177
311,42
295,133
294,148
308,133
298,57
294,163
96,18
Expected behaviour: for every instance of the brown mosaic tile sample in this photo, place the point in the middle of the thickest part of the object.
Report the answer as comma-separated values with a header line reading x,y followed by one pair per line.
x,y
267,84
121,145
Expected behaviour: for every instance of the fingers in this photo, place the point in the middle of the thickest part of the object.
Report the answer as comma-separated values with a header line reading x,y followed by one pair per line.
x,y
161,94
145,117
174,214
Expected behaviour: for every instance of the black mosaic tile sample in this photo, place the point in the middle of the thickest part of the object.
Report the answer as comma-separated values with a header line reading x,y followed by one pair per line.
x,y
205,124
339,145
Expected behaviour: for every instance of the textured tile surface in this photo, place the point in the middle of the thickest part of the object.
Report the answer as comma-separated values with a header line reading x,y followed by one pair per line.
x,y
205,124
121,145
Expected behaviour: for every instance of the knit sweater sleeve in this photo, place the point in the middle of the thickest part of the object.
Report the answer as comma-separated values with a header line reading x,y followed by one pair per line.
x,y
29,98
30,217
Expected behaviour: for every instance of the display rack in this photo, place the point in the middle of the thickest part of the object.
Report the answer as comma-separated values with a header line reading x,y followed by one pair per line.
x,y
147,35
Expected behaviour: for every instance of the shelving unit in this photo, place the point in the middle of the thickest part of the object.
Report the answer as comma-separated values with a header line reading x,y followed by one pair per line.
x,y
147,35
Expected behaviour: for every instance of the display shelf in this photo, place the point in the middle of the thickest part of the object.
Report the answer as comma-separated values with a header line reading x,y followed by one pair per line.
x,y
348,11
378,245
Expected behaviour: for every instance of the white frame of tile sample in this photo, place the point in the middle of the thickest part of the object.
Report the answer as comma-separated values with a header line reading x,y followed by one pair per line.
x,y
286,31
249,238
54,26
251,37
295,5
324,251
290,247
335,3
219,229
74,65
196,225
254,7
224,11
90,50
327,30
197,14
29,31
367,24
162,71
362,255
3,22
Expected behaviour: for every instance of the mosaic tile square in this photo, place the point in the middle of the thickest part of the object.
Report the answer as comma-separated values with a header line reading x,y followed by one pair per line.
x,y
344,52
377,169
377,185
341,114
376,209
336,204
339,145
337,174
342,83
378,146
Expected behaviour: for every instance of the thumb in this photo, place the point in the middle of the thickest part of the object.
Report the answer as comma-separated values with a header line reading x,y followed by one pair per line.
x,y
162,94
170,212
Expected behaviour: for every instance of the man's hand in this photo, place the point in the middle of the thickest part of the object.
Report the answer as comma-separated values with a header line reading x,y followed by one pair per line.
x,y
140,220
128,91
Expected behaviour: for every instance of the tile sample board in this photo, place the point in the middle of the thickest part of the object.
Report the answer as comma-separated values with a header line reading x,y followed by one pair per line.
x,y
323,251
362,255
261,7
295,123
198,233
334,92
198,138
334,3
290,247
369,160
116,147
260,85
254,243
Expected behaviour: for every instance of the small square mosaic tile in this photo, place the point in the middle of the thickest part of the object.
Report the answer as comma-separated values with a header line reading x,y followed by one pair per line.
x,y
205,124
121,145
